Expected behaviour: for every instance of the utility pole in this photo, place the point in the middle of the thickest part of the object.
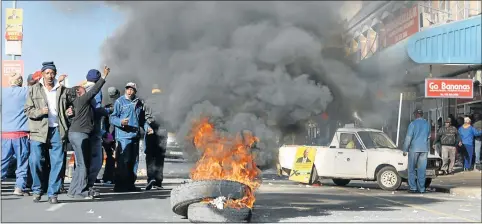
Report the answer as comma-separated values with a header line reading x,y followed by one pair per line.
x,y
14,5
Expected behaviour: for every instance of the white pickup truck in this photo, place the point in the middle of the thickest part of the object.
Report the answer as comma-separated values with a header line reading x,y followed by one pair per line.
x,y
370,156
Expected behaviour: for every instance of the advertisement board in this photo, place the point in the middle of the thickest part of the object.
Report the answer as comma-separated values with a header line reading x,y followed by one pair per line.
x,y
13,24
304,159
449,88
13,48
11,67
404,24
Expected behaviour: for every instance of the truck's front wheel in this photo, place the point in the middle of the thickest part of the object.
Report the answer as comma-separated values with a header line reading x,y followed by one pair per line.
x,y
388,179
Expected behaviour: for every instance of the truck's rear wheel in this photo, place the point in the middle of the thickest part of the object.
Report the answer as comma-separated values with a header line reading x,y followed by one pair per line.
x,y
388,179
341,182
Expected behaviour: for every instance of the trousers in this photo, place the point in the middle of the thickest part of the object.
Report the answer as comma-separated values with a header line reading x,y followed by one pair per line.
x,y
417,164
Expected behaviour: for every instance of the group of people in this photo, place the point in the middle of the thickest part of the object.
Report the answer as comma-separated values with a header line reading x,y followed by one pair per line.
x,y
417,142
41,120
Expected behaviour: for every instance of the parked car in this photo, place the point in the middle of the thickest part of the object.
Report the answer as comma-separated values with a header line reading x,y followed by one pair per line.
x,y
373,158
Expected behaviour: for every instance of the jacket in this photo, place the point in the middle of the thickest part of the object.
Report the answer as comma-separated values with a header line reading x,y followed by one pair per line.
x,y
448,136
13,115
418,136
38,122
135,111
96,103
478,125
105,124
467,134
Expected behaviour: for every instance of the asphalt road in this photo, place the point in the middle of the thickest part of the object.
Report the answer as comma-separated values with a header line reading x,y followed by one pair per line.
x,y
276,201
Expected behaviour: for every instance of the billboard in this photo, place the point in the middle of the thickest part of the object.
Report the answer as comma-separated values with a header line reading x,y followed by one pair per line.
x,y
449,88
13,48
303,165
404,24
10,67
14,24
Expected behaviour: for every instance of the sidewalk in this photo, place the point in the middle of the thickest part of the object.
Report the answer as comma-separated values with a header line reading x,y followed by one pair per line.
x,y
465,184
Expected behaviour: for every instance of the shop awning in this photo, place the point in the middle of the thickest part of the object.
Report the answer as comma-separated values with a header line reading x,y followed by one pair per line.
x,y
453,43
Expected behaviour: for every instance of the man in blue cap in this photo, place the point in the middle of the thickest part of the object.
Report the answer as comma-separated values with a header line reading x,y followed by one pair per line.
x,y
46,108
97,156
417,145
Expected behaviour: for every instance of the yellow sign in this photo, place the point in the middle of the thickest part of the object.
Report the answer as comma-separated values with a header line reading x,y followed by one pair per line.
x,y
304,159
14,24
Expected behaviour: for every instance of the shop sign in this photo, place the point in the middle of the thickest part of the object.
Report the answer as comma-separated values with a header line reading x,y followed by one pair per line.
x,y
404,24
9,68
449,88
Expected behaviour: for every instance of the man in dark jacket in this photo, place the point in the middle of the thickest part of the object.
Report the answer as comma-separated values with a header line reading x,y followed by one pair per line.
x,y
447,138
155,144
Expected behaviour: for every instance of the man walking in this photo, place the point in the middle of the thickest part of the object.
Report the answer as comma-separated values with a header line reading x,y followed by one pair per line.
x,y
447,138
15,132
46,108
417,145
467,134
128,117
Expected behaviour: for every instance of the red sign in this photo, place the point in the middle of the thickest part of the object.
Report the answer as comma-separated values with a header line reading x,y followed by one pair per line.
x,y
405,24
13,36
10,67
449,88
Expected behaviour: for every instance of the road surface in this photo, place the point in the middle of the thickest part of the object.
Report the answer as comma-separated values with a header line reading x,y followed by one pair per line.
x,y
276,201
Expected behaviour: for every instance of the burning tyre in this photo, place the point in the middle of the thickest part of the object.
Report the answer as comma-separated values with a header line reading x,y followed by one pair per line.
x,y
186,194
207,212
224,178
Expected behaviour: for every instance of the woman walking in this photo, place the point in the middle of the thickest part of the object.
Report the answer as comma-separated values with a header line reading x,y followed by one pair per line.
x,y
467,134
80,129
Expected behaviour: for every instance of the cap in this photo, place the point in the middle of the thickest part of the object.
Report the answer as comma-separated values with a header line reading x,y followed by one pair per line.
x,y
448,120
37,75
131,85
418,111
112,91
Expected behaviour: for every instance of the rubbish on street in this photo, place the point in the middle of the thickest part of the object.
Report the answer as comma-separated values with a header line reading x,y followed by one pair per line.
x,y
219,202
90,211
99,217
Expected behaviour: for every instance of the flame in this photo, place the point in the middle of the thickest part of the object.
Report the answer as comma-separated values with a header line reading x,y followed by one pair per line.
x,y
226,157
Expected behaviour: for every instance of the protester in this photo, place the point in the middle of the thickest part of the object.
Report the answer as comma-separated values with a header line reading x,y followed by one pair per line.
x,y
46,108
155,145
467,134
81,128
416,144
447,138
128,117
478,141
97,156
108,135
15,132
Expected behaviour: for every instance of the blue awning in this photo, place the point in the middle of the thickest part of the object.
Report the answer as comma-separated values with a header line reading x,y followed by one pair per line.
x,y
453,43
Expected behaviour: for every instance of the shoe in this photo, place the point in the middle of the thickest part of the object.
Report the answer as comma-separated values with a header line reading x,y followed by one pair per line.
x,y
93,192
62,190
412,191
133,189
150,185
157,187
53,200
36,198
19,192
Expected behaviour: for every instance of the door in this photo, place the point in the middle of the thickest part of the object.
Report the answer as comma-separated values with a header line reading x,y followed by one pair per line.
x,y
350,158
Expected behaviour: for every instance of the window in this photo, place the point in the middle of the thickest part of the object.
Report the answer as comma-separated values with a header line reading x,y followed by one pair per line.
x,y
376,140
349,141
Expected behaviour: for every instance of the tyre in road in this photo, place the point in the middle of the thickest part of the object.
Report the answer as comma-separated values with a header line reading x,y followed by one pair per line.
x,y
185,194
341,182
205,212
388,178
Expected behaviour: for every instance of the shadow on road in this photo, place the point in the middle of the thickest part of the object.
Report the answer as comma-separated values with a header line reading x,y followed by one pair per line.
x,y
156,194
273,207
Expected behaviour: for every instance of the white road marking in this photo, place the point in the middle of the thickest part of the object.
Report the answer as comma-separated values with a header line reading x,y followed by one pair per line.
x,y
55,207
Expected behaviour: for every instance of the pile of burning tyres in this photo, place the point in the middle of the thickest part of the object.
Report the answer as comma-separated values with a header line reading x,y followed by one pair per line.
x,y
223,180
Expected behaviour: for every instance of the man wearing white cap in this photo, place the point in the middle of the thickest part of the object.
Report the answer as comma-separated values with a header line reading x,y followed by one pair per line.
x,y
128,117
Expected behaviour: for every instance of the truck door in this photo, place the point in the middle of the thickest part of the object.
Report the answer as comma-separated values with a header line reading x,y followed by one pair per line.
x,y
350,158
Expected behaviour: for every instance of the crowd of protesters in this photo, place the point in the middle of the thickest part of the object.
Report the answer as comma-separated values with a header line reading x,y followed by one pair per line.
x,y
42,120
